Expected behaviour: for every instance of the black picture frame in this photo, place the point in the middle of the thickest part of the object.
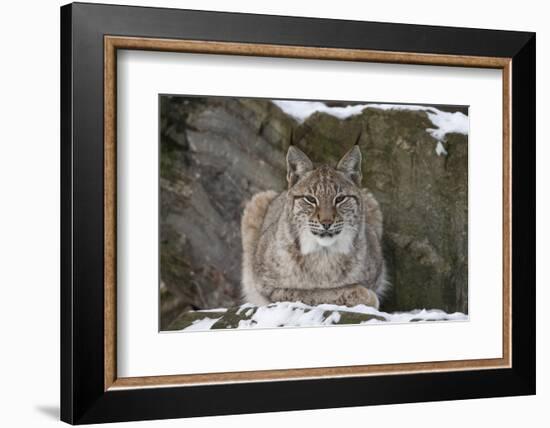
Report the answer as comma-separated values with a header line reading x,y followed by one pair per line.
x,y
83,396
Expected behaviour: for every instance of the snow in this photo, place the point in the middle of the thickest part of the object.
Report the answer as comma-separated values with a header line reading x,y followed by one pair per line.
x,y
301,110
297,314
420,315
286,314
203,324
440,149
244,307
444,122
447,123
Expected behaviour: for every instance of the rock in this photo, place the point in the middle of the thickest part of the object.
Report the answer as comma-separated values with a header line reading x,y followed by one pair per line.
x,y
233,316
217,152
296,314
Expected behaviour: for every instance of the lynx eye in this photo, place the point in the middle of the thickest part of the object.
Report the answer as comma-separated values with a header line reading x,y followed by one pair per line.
x,y
339,199
310,199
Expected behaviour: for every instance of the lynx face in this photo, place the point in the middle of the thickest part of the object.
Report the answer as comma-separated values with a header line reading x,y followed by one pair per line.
x,y
326,210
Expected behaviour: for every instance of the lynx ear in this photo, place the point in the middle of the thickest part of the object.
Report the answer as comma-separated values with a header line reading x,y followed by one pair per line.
x,y
350,165
297,164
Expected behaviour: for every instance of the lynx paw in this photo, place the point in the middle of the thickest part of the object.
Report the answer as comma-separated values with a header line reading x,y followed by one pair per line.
x,y
286,294
360,295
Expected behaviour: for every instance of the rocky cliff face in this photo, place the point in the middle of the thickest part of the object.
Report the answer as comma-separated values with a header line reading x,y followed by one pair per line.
x,y
217,152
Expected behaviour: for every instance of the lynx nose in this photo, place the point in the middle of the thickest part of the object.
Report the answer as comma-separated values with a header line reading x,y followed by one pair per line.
x,y
326,224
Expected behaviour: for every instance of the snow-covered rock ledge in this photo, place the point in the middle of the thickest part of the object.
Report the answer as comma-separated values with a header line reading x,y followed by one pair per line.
x,y
296,314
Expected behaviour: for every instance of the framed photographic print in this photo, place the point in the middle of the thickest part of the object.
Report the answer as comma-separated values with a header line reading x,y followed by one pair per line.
x,y
276,213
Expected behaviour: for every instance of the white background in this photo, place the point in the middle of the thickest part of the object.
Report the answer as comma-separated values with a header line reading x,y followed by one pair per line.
x,y
143,352
29,226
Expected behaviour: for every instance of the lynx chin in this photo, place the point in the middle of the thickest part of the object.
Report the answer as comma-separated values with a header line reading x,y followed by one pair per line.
x,y
320,241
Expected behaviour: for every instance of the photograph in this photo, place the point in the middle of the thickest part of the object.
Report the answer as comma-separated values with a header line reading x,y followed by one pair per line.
x,y
284,210
307,213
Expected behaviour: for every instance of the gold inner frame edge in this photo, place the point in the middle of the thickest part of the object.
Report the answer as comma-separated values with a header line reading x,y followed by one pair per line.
x,y
113,43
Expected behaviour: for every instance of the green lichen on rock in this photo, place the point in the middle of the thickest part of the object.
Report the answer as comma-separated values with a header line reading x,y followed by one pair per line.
x,y
186,319
356,318
232,317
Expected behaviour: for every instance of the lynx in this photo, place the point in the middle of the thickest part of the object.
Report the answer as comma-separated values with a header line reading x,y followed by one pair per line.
x,y
317,242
